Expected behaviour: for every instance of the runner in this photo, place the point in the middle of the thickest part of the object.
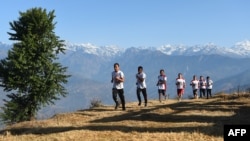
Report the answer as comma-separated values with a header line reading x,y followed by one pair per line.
x,y
117,80
195,85
162,85
141,85
180,83
209,87
202,86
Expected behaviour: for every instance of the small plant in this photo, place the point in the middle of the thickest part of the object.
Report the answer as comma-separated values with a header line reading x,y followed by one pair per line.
x,y
95,103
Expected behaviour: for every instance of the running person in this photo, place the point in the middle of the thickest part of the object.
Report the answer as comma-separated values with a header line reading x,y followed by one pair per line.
x,y
195,86
209,87
117,80
202,86
181,84
162,84
141,85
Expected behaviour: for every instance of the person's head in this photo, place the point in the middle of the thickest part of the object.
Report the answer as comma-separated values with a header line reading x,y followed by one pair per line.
x,y
116,67
162,72
208,77
201,77
194,77
179,75
140,69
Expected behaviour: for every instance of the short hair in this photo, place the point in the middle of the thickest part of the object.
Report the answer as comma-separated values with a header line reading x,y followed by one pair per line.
x,y
116,64
140,67
162,70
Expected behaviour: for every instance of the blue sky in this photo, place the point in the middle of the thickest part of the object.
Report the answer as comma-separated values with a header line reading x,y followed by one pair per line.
x,y
128,23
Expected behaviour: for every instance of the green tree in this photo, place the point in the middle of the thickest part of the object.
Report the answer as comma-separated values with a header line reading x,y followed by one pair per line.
x,y
31,74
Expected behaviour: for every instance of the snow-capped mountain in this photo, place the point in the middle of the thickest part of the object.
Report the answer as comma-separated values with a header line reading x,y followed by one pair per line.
x,y
207,49
240,49
89,48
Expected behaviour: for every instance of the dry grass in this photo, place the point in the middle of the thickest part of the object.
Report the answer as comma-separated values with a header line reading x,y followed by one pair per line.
x,y
189,120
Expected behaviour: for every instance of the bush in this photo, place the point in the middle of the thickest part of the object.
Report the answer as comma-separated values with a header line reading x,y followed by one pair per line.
x,y
95,103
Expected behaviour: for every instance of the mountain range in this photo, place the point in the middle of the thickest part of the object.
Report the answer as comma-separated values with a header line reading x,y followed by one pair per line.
x,y
239,50
91,67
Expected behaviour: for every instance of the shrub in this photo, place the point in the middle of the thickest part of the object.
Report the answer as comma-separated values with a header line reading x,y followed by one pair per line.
x,y
95,103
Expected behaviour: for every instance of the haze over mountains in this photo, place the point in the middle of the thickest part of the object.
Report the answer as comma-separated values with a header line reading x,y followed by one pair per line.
x,y
91,67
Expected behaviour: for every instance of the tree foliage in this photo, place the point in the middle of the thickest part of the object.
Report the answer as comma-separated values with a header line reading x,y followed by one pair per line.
x,y
30,73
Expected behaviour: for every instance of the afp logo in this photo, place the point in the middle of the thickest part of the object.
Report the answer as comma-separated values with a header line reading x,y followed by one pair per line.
x,y
239,132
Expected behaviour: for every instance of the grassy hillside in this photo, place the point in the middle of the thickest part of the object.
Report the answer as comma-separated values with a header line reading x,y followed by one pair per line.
x,y
188,120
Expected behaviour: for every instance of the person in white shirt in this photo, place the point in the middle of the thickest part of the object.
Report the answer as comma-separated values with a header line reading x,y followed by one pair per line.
x,y
202,86
181,84
162,84
209,87
141,85
195,86
117,80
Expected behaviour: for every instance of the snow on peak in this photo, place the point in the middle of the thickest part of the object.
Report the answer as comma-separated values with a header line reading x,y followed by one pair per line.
x,y
241,49
93,49
244,45
172,50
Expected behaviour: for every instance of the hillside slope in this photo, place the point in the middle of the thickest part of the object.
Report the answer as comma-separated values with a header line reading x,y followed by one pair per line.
x,y
188,120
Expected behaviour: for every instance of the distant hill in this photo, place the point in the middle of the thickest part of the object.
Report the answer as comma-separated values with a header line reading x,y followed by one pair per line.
x,y
234,83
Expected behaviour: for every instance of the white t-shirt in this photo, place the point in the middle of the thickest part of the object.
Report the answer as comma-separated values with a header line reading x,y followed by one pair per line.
x,y
116,84
140,84
209,84
194,84
161,78
180,83
202,84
